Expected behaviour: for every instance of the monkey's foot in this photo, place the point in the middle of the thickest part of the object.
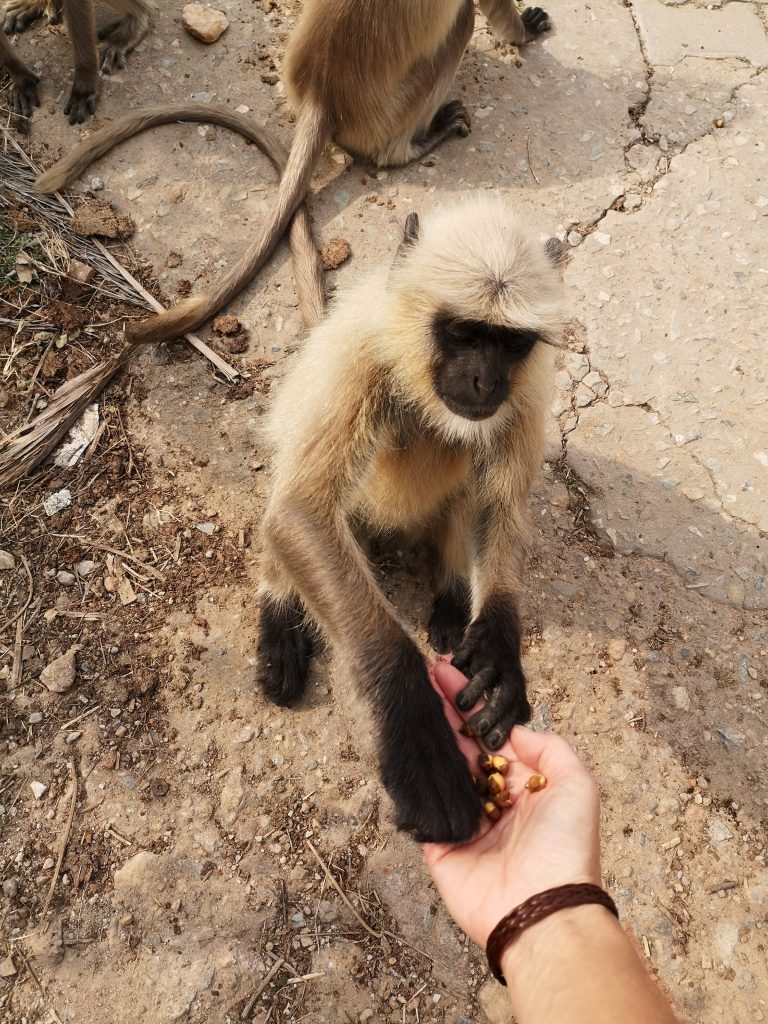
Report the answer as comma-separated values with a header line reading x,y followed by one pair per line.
x,y
82,102
490,658
449,619
120,36
536,21
451,119
422,768
19,14
285,647
23,95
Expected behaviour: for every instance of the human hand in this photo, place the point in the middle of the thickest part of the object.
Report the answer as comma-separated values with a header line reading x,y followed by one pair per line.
x,y
547,838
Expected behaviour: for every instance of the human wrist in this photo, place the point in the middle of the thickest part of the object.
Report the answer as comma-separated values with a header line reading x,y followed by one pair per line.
x,y
561,931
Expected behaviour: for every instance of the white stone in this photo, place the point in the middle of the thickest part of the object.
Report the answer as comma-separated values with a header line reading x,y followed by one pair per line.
x,y
7,561
38,789
204,22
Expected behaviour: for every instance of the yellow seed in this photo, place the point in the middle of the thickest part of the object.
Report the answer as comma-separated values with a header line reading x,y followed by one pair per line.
x,y
535,783
496,783
503,799
500,764
491,810
486,763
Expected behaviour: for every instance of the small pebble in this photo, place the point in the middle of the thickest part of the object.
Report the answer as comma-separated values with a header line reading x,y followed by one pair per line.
x,y
38,789
85,568
66,579
10,888
7,561
72,737
574,238
48,864
35,718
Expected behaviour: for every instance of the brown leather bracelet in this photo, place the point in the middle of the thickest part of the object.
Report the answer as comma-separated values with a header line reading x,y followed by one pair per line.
x,y
536,909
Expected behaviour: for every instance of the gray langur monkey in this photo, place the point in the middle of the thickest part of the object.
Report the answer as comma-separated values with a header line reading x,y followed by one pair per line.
x,y
373,75
120,35
416,405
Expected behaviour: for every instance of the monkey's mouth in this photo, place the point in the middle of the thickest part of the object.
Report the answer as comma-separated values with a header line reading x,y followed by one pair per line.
x,y
471,412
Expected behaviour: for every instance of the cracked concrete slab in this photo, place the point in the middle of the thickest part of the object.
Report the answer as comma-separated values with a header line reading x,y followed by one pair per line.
x,y
675,308
671,33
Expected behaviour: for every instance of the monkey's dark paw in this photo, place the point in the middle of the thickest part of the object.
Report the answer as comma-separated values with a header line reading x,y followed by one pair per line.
x,y
422,768
449,619
490,658
23,96
536,20
452,117
284,649
19,14
81,103
112,58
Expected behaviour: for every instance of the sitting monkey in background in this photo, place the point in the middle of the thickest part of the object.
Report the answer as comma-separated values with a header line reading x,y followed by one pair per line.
x,y
417,405
373,75
120,36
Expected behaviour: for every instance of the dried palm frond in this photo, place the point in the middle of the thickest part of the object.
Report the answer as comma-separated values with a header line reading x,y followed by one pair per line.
x,y
24,449
27,446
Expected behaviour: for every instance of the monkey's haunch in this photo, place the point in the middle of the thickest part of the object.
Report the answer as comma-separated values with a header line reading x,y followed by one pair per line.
x,y
189,314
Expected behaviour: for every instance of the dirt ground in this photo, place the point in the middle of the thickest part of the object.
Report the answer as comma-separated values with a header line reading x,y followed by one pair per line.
x,y
203,825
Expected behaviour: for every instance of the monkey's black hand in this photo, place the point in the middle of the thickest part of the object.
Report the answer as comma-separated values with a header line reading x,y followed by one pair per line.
x,y
82,102
536,21
490,658
452,117
23,96
422,767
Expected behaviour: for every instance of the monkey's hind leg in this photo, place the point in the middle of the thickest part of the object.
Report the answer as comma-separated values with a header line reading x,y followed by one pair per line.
x,y
18,14
284,648
452,606
122,34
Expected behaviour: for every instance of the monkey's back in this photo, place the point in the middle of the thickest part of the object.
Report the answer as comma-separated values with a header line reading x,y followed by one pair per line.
x,y
350,56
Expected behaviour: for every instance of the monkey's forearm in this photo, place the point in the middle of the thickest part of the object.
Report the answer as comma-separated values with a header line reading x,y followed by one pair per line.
x,y
329,571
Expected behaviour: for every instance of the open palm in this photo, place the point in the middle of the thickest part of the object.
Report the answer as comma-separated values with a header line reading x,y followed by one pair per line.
x,y
547,838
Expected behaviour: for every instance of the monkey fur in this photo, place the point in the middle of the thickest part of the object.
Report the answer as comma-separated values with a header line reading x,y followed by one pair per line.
x,y
417,405
120,35
372,75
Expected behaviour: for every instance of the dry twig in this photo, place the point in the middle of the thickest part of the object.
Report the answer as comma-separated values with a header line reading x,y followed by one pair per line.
x,y
64,839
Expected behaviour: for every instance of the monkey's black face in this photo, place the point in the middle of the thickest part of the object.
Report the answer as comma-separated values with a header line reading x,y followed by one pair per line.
x,y
473,364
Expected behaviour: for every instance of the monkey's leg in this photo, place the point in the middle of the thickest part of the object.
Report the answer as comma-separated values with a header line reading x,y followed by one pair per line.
x,y
451,608
284,647
426,119
19,14
507,23
124,33
81,26
23,94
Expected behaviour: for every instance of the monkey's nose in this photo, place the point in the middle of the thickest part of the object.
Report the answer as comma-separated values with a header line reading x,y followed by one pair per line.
x,y
484,387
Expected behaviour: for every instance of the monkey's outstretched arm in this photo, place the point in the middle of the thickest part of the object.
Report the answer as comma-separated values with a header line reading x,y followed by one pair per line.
x,y
490,653
507,23
307,533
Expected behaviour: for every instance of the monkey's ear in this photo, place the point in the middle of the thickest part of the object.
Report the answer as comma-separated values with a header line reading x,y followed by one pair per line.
x,y
411,229
410,238
558,252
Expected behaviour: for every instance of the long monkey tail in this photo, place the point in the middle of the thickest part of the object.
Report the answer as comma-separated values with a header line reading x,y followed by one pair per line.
x,y
312,133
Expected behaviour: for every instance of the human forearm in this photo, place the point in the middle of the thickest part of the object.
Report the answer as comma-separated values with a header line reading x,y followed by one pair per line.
x,y
578,966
